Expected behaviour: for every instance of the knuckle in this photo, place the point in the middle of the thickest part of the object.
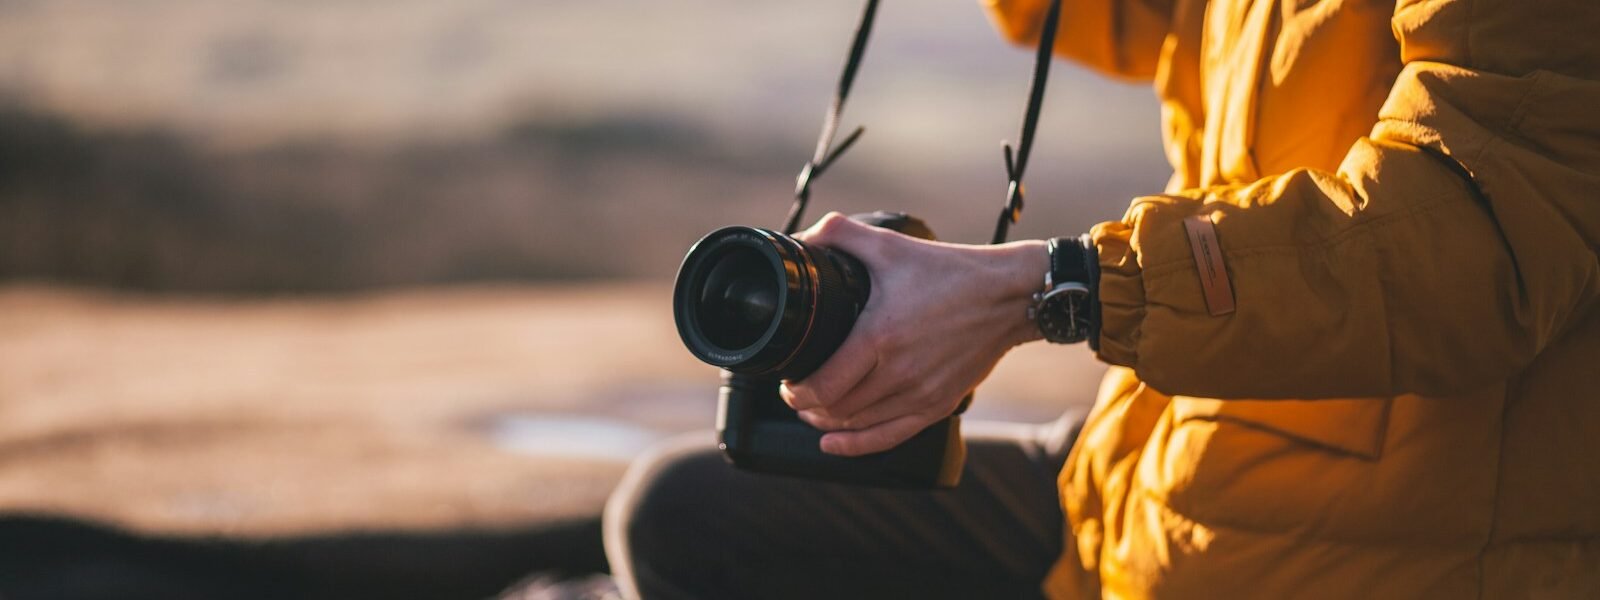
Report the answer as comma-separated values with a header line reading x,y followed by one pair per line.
x,y
818,400
851,422
823,396
840,411
831,225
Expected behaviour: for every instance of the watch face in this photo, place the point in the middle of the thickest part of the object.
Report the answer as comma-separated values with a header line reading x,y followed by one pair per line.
x,y
1062,314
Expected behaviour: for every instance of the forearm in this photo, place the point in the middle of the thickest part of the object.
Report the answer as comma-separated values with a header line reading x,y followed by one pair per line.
x,y
1345,284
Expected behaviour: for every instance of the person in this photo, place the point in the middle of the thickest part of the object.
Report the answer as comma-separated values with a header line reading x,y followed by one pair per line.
x,y
1353,347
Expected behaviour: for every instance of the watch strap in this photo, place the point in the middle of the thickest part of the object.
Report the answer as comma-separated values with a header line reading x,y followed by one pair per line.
x,y
1075,259
1091,258
1068,261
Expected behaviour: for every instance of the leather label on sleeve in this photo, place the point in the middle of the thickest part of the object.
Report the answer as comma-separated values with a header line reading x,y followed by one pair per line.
x,y
1214,282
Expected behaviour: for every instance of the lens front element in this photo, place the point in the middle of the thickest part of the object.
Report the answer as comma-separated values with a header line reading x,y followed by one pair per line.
x,y
738,300
758,302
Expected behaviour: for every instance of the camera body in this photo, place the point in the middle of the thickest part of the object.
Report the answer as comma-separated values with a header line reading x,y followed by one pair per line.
x,y
758,432
767,308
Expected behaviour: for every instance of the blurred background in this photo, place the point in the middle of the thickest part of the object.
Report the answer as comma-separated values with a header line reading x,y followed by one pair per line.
x,y
349,298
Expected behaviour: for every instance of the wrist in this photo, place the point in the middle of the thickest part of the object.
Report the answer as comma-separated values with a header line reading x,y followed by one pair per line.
x,y
1018,274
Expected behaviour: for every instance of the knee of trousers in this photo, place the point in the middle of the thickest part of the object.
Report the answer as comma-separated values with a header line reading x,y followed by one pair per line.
x,y
662,495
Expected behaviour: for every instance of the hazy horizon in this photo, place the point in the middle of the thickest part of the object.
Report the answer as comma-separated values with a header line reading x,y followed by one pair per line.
x,y
272,145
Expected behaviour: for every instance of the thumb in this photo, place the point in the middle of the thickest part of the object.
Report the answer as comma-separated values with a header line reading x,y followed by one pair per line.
x,y
837,231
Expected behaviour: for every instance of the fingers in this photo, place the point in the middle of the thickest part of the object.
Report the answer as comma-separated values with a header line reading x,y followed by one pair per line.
x,y
882,411
877,388
867,404
885,408
857,356
851,363
877,438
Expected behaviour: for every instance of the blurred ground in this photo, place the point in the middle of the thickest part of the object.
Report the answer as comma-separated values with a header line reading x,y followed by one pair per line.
x,y
466,422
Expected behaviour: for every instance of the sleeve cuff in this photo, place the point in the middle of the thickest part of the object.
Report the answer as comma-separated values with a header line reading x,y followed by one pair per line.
x,y
1119,295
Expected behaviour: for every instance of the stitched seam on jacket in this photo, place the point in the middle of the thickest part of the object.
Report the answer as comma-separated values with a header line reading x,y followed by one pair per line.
x,y
1505,400
1512,126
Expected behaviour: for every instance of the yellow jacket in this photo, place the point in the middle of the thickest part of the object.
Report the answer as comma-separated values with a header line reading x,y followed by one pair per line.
x,y
1407,201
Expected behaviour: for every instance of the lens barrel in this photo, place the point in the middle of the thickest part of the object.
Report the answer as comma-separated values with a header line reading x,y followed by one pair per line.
x,y
758,302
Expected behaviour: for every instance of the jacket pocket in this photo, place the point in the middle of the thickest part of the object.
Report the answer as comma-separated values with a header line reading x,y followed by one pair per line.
x,y
1269,465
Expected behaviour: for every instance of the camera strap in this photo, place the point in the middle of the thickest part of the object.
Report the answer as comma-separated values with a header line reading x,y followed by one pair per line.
x,y
1016,162
823,156
1012,211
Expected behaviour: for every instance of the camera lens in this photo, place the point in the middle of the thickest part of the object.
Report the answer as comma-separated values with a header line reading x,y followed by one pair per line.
x,y
738,300
758,302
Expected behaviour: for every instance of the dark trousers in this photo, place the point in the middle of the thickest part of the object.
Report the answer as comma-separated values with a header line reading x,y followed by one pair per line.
x,y
685,524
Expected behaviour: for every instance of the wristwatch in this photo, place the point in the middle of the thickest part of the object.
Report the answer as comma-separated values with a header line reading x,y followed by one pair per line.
x,y
1064,309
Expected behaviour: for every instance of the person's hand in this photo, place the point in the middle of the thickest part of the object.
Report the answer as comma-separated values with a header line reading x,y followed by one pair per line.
x,y
939,318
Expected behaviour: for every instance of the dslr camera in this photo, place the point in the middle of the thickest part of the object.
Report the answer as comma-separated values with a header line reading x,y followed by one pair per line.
x,y
766,307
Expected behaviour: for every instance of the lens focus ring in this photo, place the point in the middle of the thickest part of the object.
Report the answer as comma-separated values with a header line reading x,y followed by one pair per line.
x,y
835,310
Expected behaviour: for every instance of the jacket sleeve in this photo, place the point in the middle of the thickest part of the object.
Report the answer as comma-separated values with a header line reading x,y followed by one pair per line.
x,y
1119,38
1450,247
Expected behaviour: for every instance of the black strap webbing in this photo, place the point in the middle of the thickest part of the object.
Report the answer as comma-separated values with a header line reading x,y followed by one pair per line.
x,y
1030,120
822,157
